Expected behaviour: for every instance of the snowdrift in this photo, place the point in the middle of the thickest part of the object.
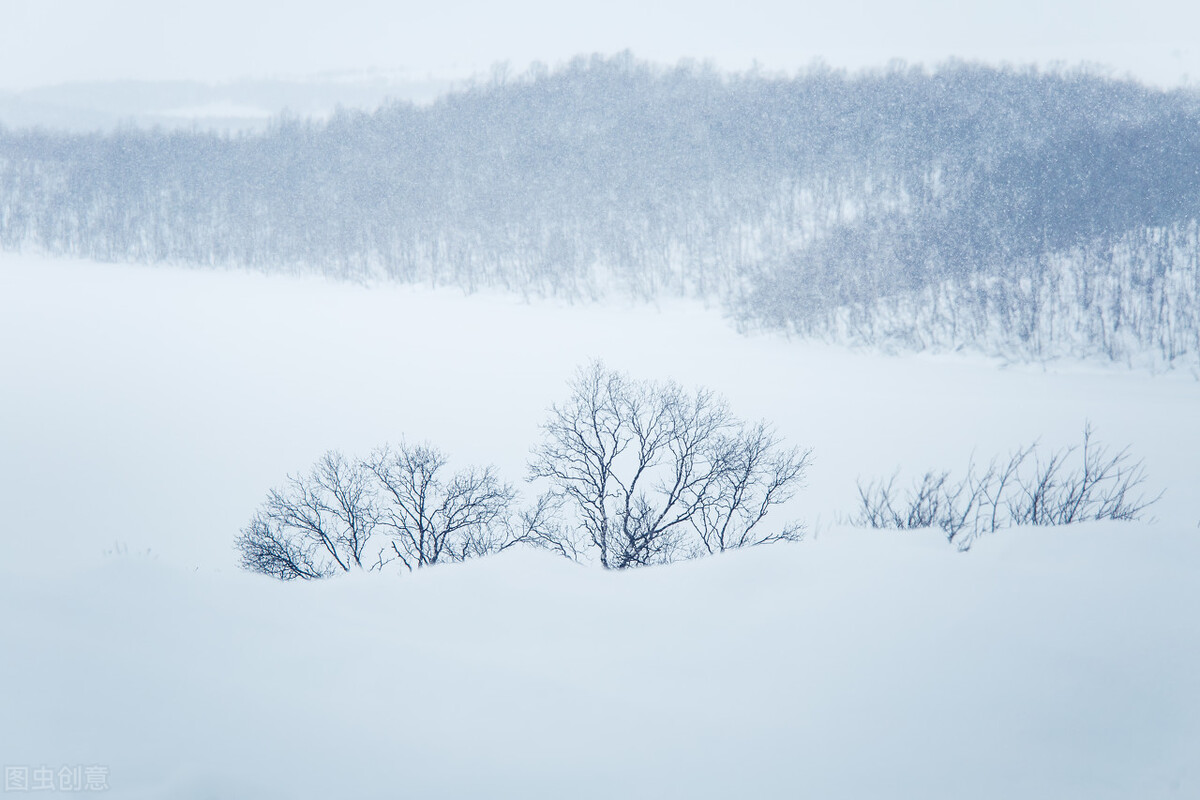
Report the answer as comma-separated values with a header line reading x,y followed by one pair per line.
x,y
1043,664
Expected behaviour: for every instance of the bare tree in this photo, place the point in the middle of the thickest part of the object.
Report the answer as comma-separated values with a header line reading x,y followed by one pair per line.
x,y
401,505
431,516
655,474
541,526
754,472
315,526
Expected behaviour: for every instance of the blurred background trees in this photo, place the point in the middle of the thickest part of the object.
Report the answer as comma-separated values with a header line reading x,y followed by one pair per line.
x,y
1024,213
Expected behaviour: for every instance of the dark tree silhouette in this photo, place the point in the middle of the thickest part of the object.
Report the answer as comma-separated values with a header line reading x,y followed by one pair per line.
x,y
315,526
1023,213
654,474
1029,487
401,507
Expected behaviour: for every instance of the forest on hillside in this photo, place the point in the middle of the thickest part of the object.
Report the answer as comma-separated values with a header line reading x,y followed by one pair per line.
x,y
1023,213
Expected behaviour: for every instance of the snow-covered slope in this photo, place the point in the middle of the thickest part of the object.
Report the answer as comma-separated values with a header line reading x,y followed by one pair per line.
x,y
153,408
1044,664
147,411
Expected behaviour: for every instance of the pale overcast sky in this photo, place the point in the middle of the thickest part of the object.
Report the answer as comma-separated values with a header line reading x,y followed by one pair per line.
x,y
45,42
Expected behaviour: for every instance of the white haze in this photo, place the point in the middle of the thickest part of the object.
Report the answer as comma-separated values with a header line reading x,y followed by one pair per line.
x,y
45,42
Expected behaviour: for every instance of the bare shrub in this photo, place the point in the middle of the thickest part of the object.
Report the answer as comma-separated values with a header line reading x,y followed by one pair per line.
x,y
1074,484
1077,483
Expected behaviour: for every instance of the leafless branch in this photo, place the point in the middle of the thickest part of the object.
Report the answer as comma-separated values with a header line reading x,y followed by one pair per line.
x,y
654,474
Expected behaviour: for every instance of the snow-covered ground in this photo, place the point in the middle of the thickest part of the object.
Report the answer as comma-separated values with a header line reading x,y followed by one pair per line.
x,y
144,413
1047,664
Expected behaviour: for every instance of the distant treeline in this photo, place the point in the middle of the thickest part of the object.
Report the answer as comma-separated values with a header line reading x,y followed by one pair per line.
x,y
1017,211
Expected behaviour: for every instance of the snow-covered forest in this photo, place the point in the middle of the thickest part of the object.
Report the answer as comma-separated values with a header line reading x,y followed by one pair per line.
x,y
1028,214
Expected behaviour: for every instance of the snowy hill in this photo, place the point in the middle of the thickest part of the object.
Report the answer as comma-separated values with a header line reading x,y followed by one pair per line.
x,y
1015,212
145,412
